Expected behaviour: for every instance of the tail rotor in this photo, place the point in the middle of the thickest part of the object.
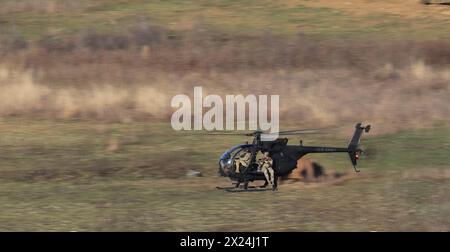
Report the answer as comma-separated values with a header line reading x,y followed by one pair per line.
x,y
354,151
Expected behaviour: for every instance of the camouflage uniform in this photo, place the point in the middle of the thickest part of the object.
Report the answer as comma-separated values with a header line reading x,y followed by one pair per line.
x,y
266,164
243,160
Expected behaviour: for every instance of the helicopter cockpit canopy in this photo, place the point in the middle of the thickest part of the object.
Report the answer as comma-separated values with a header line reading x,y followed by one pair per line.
x,y
226,161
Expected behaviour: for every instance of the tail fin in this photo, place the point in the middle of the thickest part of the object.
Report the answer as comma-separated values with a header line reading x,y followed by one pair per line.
x,y
353,146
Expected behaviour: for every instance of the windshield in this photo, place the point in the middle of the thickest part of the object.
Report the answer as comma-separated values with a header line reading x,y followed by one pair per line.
x,y
226,160
233,150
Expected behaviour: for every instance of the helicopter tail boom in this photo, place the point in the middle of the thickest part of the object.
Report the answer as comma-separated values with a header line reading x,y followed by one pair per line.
x,y
353,146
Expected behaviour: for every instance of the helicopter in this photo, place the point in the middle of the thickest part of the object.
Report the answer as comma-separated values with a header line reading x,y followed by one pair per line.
x,y
284,156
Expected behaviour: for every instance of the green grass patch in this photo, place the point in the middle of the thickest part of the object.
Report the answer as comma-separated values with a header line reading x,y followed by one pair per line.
x,y
73,175
250,18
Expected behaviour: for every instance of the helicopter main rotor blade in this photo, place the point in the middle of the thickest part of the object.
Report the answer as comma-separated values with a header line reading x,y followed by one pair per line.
x,y
302,131
298,133
226,134
213,133
291,134
261,133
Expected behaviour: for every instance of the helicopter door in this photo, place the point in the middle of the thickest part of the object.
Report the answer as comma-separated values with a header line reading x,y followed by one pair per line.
x,y
227,160
254,165
238,154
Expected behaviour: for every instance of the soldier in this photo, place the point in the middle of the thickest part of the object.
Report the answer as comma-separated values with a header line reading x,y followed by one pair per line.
x,y
266,164
243,160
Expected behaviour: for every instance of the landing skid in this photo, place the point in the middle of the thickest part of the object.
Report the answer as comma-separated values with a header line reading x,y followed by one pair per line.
x,y
249,189
243,189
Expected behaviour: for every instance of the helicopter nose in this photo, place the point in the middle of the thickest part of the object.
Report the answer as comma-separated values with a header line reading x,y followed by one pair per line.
x,y
222,167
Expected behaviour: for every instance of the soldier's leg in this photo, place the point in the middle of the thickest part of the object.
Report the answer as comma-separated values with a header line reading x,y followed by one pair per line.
x,y
265,181
266,173
272,176
275,185
238,164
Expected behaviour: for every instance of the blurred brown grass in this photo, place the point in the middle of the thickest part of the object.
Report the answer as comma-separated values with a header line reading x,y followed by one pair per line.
x,y
132,75
205,48
410,96
94,63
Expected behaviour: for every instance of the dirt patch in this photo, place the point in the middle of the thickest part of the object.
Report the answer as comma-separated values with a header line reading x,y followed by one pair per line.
x,y
308,171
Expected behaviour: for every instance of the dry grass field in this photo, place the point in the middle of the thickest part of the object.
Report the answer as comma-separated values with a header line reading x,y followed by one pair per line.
x,y
85,89
89,176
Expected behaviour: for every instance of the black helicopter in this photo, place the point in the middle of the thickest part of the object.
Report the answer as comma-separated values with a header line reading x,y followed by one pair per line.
x,y
284,156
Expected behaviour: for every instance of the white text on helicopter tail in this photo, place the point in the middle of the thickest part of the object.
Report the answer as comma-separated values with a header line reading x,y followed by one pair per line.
x,y
213,118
